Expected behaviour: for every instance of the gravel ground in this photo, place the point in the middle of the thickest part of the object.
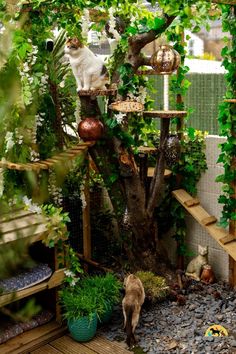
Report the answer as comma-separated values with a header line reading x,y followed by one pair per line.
x,y
178,325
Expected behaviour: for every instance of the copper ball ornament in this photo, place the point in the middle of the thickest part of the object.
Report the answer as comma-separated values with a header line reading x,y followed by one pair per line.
x,y
90,129
165,60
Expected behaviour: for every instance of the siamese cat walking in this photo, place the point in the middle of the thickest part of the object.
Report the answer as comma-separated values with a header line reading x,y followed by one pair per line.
x,y
88,69
131,305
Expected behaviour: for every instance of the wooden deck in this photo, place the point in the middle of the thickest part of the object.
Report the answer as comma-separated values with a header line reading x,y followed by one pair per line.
x,y
52,338
66,345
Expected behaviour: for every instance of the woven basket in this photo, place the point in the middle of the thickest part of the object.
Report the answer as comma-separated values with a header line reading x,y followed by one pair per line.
x,y
83,329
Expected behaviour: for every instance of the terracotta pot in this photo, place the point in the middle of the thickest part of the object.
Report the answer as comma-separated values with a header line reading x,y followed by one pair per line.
x,y
172,150
90,129
207,275
165,60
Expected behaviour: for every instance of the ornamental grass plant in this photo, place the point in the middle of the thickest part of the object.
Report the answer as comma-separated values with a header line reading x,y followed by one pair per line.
x,y
156,288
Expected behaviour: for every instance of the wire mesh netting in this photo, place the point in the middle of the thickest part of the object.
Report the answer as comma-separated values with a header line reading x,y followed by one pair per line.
x,y
102,227
204,95
75,227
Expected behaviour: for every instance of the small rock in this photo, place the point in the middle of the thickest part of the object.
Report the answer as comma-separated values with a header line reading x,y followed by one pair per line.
x,y
192,307
209,339
233,343
219,317
199,315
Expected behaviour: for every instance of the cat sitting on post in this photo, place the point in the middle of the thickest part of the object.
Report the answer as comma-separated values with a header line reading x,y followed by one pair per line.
x,y
195,266
89,70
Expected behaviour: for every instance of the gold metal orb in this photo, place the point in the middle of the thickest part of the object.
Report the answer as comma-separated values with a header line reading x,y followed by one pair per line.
x,y
165,60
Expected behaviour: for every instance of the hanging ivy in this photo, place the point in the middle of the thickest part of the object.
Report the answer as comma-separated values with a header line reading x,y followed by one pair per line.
x,y
227,120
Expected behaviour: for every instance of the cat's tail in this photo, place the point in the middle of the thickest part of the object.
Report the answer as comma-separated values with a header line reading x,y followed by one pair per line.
x,y
129,309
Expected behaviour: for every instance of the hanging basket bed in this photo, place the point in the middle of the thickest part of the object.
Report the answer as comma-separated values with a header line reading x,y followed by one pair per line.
x,y
127,106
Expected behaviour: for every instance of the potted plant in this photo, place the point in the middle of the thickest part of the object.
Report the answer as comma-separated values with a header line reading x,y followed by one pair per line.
x,y
79,305
108,293
80,309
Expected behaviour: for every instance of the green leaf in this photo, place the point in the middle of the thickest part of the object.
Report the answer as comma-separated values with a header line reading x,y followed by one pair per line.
x,y
191,133
158,23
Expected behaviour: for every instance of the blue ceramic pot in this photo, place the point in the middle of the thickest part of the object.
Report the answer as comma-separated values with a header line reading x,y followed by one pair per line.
x,y
83,329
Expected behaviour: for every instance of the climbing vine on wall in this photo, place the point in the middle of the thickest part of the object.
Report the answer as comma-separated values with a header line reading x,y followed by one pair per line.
x,y
227,120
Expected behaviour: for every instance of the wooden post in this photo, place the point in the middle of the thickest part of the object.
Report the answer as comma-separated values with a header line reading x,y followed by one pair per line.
x,y
180,104
86,219
143,168
179,128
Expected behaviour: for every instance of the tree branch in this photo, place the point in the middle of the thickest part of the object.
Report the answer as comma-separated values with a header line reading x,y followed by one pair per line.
x,y
158,178
137,42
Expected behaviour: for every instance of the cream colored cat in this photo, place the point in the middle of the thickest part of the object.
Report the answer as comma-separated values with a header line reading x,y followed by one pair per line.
x,y
195,266
131,305
88,69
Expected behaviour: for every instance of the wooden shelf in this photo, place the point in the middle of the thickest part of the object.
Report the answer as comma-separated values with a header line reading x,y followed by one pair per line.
x,y
207,221
22,224
60,158
226,2
164,114
151,170
108,92
28,341
230,100
147,150
56,279
147,72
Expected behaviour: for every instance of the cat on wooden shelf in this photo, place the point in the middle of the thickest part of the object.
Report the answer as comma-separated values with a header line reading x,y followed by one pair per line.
x,y
89,70
195,266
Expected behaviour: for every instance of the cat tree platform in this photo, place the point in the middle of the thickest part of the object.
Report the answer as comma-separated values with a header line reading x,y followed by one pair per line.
x,y
127,106
209,222
230,100
226,2
146,72
107,92
164,114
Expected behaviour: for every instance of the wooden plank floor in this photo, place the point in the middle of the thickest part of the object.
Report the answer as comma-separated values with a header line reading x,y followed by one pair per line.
x,y
66,345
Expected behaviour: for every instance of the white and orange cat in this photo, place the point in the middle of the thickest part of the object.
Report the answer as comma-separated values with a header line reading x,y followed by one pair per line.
x,y
88,69
131,305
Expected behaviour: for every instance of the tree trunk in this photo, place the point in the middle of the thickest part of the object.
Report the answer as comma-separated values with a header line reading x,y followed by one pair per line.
x,y
128,192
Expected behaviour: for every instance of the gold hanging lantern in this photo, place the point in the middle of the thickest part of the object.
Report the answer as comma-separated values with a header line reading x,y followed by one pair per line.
x,y
165,60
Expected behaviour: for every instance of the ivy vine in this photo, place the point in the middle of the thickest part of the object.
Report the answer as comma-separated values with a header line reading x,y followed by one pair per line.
x,y
227,121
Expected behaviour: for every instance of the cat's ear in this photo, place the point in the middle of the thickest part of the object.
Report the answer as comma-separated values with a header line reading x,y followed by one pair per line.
x,y
76,42
201,249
